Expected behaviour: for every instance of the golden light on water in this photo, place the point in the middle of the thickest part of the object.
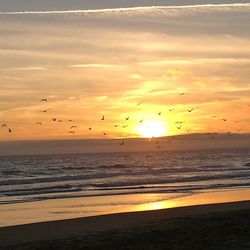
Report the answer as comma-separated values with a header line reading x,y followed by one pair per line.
x,y
152,129
156,205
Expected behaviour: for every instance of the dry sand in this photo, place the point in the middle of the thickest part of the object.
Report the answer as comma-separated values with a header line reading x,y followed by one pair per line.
x,y
214,226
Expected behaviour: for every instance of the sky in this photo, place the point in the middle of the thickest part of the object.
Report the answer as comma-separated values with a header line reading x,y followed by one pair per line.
x,y
171,69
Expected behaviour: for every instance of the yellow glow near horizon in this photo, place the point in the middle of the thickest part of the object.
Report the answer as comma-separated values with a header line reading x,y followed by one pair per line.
x,y
152,129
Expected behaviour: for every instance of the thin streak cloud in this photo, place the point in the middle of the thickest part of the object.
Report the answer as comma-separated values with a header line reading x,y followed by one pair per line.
x,y
96,66
196,61
23,69
136,9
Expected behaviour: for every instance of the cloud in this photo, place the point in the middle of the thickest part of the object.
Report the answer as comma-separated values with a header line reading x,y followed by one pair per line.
x,y
96,66
23,68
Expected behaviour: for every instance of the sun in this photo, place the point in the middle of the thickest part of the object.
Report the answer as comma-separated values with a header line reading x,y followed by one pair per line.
x,y
152,129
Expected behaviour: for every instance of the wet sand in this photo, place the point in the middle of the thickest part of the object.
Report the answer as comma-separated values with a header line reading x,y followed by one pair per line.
x,y
213,226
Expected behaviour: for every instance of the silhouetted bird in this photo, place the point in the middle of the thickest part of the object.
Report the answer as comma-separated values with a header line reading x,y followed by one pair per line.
x,y
45,110
9,130
4,125
127,118
104,133
170,110
224,119
190,110
73,127
182,94
54,119
38,123
103,118
139,103
71,132
122,142
44,100
159,113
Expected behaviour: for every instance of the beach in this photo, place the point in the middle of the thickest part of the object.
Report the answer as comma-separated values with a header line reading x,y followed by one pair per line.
x,y
147,200
124,125
213,226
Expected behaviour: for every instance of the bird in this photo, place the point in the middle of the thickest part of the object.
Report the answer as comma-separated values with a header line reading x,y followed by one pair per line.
x,y
45,110
127,118
38,123
182,94
179,127
4,125
90,129
9,130
54,119
170,110
71,132
59,121
224,119
104,133
141,121
70,120
139,103
179,122
190,110
103,118
159,113
116,126
44,100
72,127
124,126
214,116
122,142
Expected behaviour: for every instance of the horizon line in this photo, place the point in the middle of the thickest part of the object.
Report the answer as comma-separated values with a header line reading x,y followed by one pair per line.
x,y
128,138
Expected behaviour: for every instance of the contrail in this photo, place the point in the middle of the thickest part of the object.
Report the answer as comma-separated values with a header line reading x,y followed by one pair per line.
x,y
124,9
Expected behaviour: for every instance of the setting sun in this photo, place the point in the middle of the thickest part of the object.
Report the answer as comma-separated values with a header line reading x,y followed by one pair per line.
x,y
152,129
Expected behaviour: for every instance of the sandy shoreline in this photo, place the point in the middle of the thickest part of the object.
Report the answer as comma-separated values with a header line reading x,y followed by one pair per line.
x,y
58,231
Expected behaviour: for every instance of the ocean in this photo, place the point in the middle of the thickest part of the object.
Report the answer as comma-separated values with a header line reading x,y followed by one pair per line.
x,y
37,178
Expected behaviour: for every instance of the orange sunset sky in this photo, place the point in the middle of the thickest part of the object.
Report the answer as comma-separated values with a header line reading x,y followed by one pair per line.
x,y
149,65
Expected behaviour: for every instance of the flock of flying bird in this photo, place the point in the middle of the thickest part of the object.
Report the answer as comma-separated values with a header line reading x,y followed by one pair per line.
x,y
72,129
